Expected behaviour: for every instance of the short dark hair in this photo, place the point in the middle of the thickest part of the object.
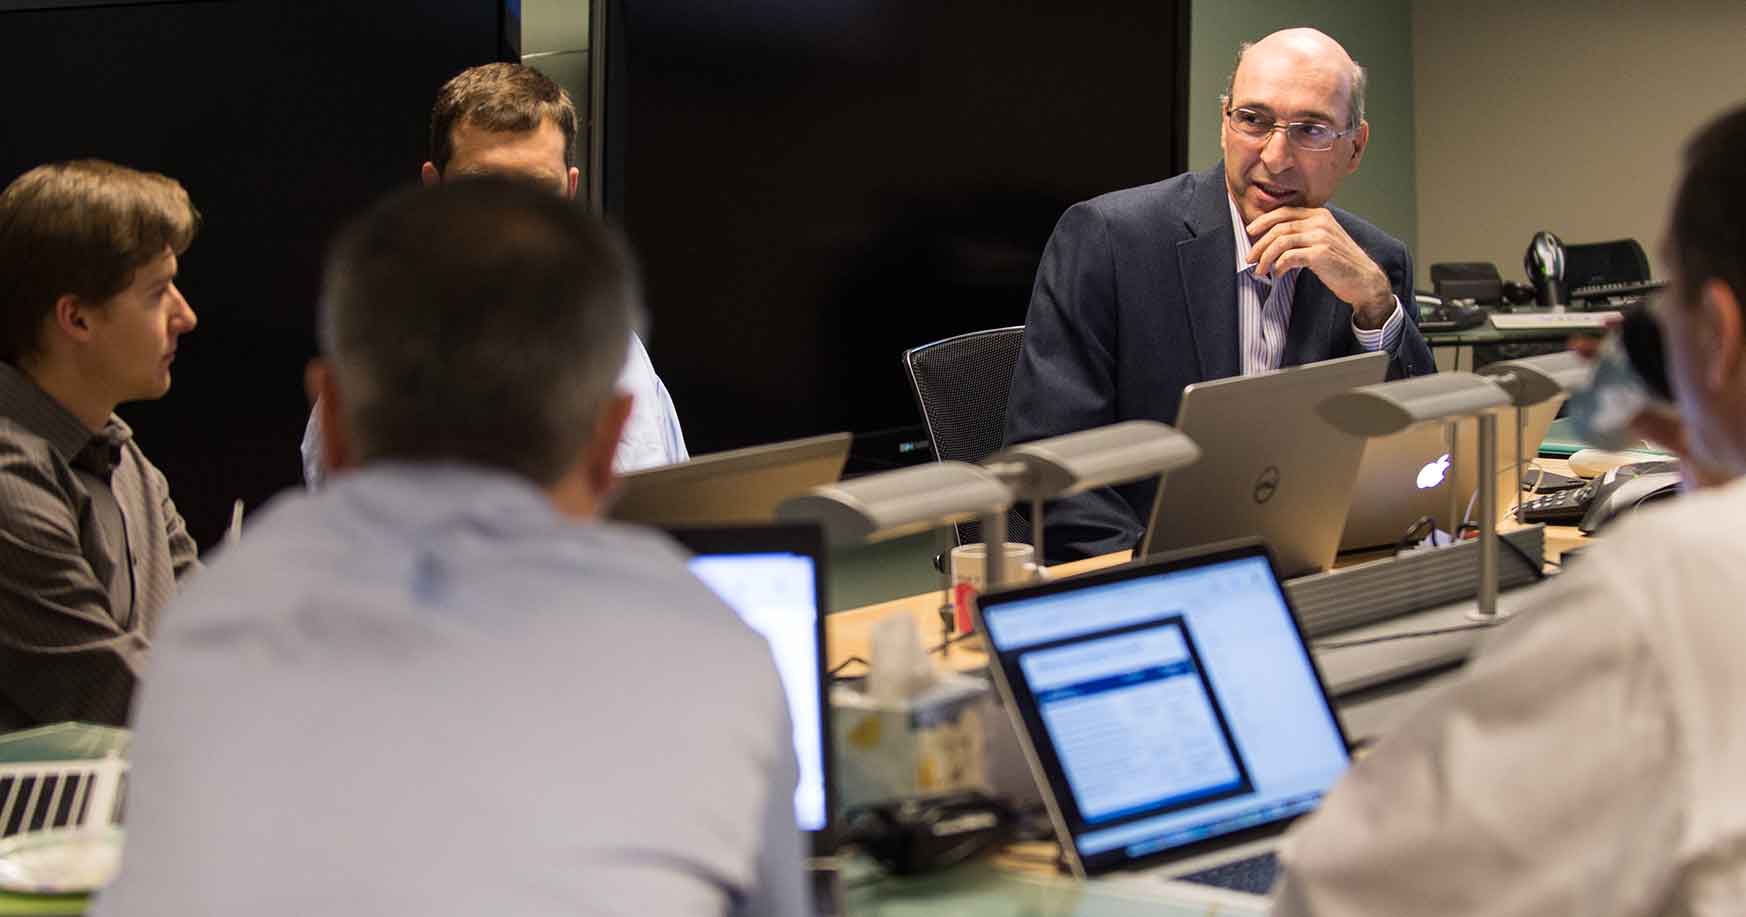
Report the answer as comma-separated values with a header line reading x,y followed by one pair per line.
x,y
482,322
81,227
505,97
1707,231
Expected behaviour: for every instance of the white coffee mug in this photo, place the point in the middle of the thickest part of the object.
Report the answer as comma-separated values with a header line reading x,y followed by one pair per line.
x,y
970,575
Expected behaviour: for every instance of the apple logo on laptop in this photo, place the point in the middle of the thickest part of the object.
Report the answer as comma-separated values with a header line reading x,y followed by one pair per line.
x,y
1432,474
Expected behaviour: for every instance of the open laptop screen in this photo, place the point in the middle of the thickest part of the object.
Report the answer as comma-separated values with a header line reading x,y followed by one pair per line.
x,y
1169,704
770,575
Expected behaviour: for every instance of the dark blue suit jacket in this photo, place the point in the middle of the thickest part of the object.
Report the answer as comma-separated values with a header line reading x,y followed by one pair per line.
x,y
1134,300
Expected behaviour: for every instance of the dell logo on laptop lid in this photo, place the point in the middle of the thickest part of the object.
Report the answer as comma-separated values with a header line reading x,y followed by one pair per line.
x,y
1433,473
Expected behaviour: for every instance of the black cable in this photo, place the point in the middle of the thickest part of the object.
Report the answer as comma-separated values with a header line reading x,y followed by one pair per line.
x,y
1416,533
834,673
943,644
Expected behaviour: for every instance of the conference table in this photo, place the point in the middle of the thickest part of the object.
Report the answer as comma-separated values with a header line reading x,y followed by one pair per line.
x,y
1022,879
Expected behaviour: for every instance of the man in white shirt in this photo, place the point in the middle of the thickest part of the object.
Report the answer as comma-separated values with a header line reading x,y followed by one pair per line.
x,y
443,685
510,119
1589,760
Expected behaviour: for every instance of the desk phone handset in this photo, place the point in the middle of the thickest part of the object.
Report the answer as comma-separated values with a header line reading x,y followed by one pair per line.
x,y
1596,503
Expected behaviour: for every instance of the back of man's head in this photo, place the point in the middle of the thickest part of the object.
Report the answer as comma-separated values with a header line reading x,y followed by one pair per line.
x,y
503,98
482,322
1708,225
82,228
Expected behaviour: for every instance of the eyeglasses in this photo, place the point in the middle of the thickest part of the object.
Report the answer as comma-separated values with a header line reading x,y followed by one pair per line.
x,y
1310,136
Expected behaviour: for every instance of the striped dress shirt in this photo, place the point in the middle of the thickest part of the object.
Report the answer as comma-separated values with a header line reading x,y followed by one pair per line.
x,y
1264,310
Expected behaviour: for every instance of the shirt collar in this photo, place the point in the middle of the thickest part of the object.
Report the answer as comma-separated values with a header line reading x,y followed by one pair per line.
x,y
425,495
1241,234
37,411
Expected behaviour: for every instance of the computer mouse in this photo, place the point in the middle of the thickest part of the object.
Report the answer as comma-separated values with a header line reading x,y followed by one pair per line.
x,y
1591,463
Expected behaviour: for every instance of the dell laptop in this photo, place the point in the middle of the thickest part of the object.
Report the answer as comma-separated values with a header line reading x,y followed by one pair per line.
x,y
1171,712
773,577
744,485
1270,466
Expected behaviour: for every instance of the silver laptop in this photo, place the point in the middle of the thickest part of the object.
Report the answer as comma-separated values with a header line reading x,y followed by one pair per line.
x,y
1269,465
744,485
1416,473
1171,712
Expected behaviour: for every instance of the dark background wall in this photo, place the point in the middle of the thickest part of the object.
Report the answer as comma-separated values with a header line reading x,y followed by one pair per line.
x,y
282,118
814,187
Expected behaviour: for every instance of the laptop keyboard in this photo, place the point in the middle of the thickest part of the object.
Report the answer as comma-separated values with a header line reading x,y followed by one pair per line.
x,y
1254,875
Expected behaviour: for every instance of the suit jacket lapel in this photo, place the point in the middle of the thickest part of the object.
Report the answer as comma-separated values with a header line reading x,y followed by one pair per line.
x,y
1313,311
1209,280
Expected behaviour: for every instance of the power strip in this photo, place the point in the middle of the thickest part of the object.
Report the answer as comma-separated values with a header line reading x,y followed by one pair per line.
x,y
1411,581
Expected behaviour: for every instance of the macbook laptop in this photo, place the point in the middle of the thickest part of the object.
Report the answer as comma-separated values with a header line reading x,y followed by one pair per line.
x,y
1415,473
744,485
1270,466
773,576
1171,712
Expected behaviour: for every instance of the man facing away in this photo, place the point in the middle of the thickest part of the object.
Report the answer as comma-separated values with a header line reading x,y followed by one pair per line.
x,y
1588,761
510,119
1236,270
91,546
441,686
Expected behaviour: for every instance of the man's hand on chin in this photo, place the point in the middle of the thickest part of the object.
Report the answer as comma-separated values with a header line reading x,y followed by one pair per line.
x,y
1311,238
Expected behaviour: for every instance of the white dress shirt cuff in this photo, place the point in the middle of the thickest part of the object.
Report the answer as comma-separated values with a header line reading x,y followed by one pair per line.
x,y
1384,338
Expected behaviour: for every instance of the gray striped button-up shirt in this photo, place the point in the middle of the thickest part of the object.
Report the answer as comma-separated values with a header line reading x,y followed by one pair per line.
x,y
1264,311
90,550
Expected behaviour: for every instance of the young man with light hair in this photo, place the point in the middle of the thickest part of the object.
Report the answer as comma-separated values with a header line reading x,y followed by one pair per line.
x,y
91,546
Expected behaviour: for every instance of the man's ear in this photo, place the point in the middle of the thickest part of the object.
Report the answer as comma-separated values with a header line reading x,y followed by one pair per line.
x,y
603,443
1360,140
71,316
571,181
429,174
1726,328
337,453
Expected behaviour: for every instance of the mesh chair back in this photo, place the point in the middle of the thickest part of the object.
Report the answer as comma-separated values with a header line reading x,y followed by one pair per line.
x,y
1618,261
961,386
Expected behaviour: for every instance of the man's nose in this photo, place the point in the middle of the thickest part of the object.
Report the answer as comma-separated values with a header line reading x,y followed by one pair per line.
x,y
1276,151
185,313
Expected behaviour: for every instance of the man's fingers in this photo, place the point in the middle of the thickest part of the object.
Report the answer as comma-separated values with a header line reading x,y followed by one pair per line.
x,y
1267,253
1272,218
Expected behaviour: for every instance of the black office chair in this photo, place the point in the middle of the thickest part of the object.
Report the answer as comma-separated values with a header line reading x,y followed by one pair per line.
x,y
1592,263
960,385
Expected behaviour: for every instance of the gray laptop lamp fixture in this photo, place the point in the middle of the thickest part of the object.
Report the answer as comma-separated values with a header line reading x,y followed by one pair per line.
x,y
1389,407
893,504
1076,462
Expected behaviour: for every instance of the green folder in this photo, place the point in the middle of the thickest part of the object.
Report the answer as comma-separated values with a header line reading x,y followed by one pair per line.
x,y
1562,442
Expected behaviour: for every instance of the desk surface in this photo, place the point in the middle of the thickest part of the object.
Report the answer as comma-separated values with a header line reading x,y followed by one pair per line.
x,y
1486,334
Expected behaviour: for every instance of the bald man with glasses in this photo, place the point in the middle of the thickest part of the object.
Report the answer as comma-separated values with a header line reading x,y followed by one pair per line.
x,y
1239,269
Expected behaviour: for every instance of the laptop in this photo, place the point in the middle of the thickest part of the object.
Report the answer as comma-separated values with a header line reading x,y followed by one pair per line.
x,y
1171,712
1270,466
1415,473
773,576
744,485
